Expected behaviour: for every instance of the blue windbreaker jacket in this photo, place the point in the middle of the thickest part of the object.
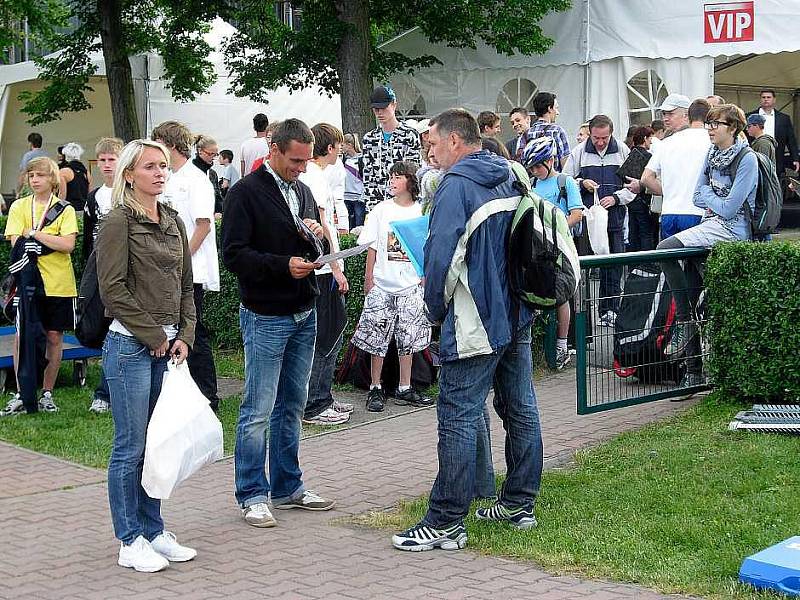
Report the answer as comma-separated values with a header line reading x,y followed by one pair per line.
x,y
466,284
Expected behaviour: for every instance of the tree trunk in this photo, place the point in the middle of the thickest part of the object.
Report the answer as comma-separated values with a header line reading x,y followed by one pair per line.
x,y
118,71
352,66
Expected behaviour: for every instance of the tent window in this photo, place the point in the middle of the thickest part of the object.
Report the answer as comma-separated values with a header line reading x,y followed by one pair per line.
x,y
410,101
516,92
646,92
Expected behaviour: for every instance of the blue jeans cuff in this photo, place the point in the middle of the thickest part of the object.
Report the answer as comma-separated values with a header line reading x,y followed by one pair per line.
x,y
295,495
255,500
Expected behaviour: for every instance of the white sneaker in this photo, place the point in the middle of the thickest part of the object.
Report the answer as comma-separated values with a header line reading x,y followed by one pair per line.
x,y
141,557
14,406
166,544
99,406
46,403
329,416
342,407
258,515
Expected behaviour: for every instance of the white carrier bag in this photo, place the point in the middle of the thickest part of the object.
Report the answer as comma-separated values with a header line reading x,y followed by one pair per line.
x,y
183,435
597,226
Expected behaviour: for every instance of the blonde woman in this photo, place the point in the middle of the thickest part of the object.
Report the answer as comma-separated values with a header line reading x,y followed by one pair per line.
x,y
144,271
55,242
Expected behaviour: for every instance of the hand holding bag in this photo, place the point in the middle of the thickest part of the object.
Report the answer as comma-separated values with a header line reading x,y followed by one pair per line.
x,y
183,435
597,225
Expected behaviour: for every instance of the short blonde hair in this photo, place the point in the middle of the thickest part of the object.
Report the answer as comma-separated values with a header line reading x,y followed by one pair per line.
x,y
48,166
122,192
204,141
354,141
109,145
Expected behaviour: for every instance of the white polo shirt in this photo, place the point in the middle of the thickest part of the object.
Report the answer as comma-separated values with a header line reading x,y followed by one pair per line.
x,y
677,162
190,192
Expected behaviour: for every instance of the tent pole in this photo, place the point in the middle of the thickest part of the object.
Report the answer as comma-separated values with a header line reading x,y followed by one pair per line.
x,y
586,63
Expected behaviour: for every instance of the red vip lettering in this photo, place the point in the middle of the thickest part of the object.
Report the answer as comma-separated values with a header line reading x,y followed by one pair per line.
x,y
729,22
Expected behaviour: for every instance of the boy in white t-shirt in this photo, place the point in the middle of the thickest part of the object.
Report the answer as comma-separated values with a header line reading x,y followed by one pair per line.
x,y
98,205
394,306
189,191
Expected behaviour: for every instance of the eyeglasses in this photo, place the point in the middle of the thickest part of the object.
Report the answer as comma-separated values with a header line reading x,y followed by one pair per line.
x,y
210,154
715,124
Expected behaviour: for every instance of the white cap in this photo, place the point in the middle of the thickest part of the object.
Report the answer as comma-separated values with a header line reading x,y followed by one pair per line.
x,y
423,126
674,101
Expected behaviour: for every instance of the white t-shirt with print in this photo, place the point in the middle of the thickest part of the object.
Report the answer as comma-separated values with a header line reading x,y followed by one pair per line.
x,y
253,149
103,198
677,163
393,271
190,192
315,178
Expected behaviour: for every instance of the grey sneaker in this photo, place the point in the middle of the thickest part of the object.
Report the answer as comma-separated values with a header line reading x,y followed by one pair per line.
x,y
258,515
422,537
99,406
342,407
412,397
13,407
608,319
46,403
329,416
521,517
689,380
308,501
562,358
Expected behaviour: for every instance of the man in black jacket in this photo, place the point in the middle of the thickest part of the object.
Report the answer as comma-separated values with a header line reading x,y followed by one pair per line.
x,y
271,237
779,126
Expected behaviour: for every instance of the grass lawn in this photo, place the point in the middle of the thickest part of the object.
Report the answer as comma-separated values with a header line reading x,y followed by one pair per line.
x,y
675,506
76,434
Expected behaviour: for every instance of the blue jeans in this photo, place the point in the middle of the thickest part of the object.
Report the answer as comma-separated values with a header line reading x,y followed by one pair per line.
x,y
134,381
356,212
463,387
672,224
320,397
484,468
278,351
101,391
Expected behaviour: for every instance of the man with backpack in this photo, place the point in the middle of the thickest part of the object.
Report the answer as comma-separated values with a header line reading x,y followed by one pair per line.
x,y
539,157
485,338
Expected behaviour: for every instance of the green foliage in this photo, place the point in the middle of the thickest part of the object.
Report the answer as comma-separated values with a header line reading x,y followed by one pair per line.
x,y
673,506
754,304
173,29
265,54
42,17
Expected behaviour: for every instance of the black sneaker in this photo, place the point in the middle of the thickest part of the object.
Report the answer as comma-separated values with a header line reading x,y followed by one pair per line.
x,y
521,517
412,397
422,537
375,400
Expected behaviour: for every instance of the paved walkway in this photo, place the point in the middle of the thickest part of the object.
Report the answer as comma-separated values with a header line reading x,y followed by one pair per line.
x,y
56,539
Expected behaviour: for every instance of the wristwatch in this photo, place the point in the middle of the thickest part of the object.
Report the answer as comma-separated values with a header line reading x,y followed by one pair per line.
x,y
31,233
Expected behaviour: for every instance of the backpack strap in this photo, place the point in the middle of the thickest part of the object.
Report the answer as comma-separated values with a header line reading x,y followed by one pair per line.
x,y
54,212
737,159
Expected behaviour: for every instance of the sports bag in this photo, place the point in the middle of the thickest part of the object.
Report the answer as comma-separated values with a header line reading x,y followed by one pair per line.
x,y
92,324
769,195
540,248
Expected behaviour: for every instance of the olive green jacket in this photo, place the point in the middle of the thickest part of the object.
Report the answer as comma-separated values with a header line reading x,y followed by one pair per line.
x,y
144,271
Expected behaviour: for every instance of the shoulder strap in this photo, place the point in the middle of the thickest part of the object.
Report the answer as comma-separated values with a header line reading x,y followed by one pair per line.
x,y
737,159
54,212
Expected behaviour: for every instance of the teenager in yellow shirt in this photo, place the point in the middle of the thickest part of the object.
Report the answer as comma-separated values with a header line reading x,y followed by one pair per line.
x,y
57,308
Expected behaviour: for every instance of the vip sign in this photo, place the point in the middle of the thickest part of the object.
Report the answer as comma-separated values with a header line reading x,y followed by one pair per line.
x,y
729,22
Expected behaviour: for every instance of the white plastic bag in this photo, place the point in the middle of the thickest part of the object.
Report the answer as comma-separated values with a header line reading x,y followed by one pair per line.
x,y
597,226
183,435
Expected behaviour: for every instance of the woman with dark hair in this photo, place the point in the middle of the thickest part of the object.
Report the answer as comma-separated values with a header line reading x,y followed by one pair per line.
x,y
492,145
641,233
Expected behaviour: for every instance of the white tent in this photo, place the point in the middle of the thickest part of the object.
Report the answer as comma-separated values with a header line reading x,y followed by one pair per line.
x,y
618,58
225,117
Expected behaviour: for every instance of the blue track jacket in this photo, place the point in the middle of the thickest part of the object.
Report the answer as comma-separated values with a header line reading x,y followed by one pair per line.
x,y
466,284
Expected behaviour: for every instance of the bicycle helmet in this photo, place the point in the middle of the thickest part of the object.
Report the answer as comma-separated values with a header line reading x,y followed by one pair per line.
x,y
538,150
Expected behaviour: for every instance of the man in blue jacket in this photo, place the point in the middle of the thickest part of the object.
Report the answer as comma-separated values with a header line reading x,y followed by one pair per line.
x,y
485,339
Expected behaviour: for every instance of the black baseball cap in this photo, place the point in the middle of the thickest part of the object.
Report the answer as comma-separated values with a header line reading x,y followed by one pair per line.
x,y
382,96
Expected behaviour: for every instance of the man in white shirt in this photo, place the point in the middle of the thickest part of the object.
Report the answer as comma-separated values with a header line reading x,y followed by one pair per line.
x,y
321,408
255,147
673,170
190,192
779,126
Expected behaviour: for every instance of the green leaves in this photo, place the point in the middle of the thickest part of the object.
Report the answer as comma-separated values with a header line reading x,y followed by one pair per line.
x,y
754,303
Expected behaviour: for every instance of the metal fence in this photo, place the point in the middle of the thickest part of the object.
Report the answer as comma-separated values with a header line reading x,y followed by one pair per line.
x,y
636,359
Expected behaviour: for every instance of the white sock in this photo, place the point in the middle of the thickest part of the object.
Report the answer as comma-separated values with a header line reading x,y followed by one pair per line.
x,y
375,387
561,343
403,388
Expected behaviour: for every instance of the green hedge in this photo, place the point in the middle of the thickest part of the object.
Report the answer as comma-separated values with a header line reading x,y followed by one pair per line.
x,y
222,309
754,304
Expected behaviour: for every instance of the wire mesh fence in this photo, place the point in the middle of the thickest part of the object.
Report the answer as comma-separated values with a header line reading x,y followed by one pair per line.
x,y
634,342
